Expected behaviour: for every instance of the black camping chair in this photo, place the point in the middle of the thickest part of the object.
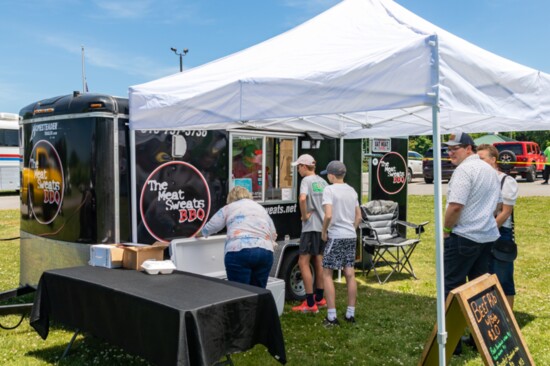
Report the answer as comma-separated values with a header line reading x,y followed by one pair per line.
x,y
382,239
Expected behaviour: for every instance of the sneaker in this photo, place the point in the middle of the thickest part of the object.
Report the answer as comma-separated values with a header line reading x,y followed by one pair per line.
x,y
322,303
544,183
303,308
351,319
330,323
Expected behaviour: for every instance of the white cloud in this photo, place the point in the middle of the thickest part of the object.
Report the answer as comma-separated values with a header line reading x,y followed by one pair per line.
x,y
311,5
115,60
132,9
155,11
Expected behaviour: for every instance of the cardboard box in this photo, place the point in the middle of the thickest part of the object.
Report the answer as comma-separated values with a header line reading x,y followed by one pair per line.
x,y
106,255
134,256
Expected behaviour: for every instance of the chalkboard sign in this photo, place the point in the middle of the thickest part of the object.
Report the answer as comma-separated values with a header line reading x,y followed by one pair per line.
x,y
481,305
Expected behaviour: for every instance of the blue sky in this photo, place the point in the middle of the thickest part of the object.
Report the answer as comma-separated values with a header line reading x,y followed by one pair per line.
x,y
128,42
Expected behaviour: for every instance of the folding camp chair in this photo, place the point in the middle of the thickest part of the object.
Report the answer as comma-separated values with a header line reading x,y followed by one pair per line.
x,y
383,240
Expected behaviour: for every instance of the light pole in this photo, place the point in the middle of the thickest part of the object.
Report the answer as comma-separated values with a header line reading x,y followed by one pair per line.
x,y
185,50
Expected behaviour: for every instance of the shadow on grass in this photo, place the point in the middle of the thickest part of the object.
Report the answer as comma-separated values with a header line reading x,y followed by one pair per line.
x,y
86,350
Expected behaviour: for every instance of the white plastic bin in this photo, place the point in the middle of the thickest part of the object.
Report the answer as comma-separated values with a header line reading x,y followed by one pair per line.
x,y
205,256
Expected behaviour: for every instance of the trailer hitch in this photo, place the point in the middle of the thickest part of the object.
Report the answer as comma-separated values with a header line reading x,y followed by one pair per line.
x,y
12,309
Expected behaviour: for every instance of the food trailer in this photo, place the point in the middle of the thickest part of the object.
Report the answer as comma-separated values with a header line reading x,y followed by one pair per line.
x,y
77,174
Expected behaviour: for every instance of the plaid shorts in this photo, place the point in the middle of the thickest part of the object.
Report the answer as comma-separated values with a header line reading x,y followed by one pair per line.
x,y
339,253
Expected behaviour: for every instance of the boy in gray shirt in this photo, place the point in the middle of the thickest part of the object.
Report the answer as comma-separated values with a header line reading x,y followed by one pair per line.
x,y
311,245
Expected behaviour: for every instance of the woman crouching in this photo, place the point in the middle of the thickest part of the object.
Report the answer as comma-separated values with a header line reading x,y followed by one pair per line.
x,y
250,237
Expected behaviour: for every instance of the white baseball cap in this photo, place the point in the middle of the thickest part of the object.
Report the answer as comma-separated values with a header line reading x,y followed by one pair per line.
x,y
304,159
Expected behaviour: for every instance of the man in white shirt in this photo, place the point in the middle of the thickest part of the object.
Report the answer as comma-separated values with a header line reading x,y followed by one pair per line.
x,y
470,227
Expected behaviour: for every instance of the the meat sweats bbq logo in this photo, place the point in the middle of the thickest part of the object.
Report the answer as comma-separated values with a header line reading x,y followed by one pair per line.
x,y
43,182
392,173
175,201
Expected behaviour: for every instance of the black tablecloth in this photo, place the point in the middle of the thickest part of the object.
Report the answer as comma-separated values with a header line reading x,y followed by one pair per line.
x,y
177,319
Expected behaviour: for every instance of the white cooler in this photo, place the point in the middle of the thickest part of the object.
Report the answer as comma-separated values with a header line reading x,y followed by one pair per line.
x,y
205,256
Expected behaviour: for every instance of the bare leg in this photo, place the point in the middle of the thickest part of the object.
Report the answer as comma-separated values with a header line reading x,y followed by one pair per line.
x,y
510,301
303,262
349,272
318,262
330,294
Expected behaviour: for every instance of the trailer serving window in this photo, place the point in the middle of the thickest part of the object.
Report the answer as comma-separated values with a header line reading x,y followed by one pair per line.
x,y
261,164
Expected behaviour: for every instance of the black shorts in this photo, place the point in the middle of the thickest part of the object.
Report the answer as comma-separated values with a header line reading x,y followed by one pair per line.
x,y
311,243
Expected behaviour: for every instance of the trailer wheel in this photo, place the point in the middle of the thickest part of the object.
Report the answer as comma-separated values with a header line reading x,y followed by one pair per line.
x,y
290,272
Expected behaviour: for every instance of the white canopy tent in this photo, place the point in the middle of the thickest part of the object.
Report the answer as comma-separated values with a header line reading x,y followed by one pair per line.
x,y
364,68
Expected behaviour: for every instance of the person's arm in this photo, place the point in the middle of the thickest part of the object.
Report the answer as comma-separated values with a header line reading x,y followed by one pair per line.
x,y
357,217
326,221
504,214
303,207
216,223
452,214
272,229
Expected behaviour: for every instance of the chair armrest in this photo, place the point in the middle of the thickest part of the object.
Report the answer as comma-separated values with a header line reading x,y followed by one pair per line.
x,y
419,228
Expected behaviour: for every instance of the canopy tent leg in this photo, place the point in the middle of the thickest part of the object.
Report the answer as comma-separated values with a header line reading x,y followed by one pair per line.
x,y
438,212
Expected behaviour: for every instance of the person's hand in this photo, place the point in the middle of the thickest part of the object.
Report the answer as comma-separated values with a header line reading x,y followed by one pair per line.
x,y
446,235
324,236
306,216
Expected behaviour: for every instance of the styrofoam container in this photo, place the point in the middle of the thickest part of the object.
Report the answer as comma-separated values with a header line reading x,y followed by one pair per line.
x,y
155,267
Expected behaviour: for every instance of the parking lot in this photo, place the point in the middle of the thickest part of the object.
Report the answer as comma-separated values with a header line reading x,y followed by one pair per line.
x,y
526,189
419,187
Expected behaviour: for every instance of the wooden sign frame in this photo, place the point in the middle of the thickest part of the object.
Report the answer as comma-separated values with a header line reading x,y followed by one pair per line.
x,y
482,306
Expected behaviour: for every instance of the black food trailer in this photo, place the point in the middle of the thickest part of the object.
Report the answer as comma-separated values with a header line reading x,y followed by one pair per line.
x,y
77,181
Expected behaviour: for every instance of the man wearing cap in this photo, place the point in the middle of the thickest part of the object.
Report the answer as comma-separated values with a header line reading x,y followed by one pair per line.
x,y
311,245
470,227
342,216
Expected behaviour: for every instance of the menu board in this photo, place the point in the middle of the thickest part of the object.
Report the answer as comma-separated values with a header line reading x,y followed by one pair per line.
x,y
481,306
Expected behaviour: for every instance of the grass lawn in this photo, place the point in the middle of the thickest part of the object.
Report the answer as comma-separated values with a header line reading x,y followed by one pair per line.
x,y
394,320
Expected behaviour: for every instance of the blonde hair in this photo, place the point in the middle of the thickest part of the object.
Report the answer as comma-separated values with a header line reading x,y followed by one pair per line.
x,y
491,149
238,193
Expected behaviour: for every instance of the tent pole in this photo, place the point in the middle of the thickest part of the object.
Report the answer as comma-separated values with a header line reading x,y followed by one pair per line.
x,y
133,192
438,203
342,160
438,212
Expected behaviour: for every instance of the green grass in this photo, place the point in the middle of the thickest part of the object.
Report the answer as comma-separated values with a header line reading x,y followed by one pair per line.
x,y
394,320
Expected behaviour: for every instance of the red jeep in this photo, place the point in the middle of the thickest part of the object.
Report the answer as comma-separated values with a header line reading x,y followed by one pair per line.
x,y
520,158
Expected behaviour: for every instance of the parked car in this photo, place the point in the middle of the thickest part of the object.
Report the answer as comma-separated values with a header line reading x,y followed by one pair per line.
x,y
520,158
447,168
414,166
